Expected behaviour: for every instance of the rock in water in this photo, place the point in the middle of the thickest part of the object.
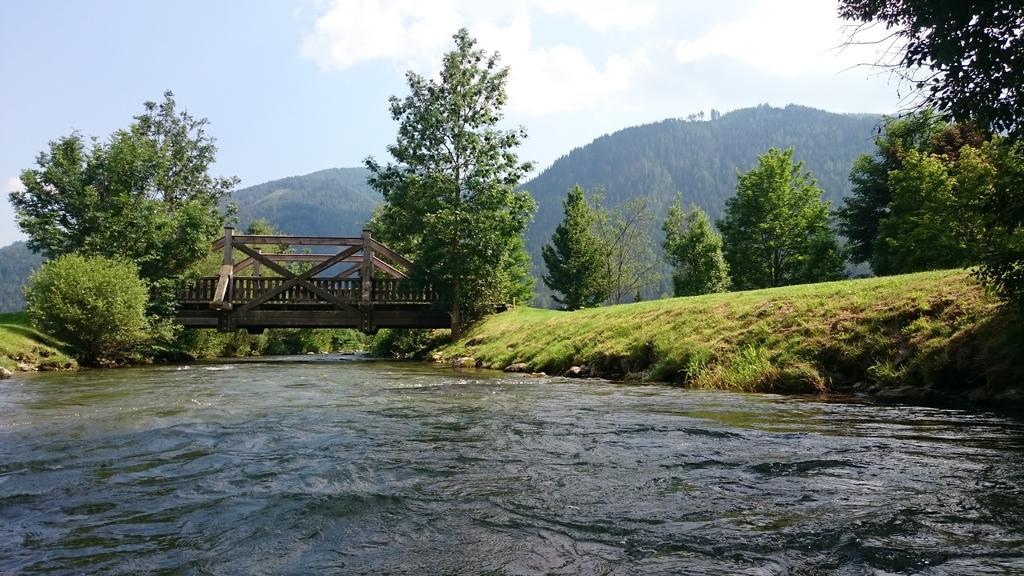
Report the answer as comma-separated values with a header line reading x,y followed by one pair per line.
x,y
577,372
517,367
5,373
465,362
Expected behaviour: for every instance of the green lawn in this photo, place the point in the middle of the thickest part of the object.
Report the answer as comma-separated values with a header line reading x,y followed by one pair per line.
x,y
20,343
934,329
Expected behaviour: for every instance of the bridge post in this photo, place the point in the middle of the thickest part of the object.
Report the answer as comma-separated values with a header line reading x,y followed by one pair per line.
x,y
222,295
366,284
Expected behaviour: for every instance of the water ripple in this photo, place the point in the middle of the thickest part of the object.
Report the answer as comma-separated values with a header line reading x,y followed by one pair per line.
x,y
366,468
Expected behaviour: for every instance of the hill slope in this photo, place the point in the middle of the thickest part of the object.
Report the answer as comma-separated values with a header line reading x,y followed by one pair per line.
x,y
699,159
16,264
333,202
932,335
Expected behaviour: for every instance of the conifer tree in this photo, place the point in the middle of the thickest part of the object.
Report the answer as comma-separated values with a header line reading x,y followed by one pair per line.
x,y
573,259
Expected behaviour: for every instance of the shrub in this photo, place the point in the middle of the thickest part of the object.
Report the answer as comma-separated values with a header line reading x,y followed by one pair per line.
x,y
96,305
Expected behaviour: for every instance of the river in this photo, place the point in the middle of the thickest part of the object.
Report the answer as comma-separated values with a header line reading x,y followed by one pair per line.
x,y
336,465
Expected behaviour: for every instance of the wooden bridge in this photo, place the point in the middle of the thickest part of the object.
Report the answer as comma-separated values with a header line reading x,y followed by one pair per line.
x,y
360,284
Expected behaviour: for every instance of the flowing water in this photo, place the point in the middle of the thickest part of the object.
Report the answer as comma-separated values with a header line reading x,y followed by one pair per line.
x,y
345,466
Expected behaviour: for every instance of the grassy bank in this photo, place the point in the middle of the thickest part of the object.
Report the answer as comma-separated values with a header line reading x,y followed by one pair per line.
x,y
22,344
917,335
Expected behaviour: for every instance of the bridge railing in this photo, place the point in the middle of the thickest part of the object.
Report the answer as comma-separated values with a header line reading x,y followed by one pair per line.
x,y
245,289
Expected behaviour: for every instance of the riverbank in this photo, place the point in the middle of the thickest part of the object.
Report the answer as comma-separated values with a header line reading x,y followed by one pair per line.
x,y
932,336
23,348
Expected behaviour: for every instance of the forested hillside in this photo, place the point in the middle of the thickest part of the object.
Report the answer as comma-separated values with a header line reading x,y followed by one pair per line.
x,y
699,159
16,264
332,202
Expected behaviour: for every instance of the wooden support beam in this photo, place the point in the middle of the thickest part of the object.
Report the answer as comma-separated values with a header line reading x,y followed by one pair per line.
x,y
392,255
300,280
366,271
221,298
350,271
297,240
388,268
291,258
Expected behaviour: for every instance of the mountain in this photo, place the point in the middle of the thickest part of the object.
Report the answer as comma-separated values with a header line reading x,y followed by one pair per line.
x,y
16,264
333,202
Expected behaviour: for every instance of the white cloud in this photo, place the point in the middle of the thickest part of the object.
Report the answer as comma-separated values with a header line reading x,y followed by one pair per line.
x,y
543,80
786,39
604,15
405,31
13,184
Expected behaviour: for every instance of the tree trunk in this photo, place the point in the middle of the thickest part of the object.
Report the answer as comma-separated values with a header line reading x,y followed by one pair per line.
x,y
456,313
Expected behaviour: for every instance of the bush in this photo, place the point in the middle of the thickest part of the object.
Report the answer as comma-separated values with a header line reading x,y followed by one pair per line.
x,y
402,343
96,305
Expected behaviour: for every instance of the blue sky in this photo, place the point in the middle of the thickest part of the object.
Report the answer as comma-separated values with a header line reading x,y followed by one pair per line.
x,y
293,87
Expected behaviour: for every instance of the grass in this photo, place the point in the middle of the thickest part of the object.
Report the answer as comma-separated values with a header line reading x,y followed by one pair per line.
x,y
938,331
22,344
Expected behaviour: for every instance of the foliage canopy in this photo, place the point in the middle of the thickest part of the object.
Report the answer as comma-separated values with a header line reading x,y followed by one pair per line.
x,y
694,249
574,258
966,58
144,194
776,228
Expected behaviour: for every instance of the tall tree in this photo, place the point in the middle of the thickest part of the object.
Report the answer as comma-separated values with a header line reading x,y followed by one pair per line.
x,y
694,249
776,228
924,131
965,58
991,191
919,232
624,234
574,259
145,194
450,190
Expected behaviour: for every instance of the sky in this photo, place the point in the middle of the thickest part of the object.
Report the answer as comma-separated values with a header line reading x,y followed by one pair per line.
x,y
294,87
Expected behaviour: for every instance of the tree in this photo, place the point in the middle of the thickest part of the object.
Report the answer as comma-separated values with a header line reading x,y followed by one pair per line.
x,y
965,58
920,230
924,131
624,235
694,250
450,192
776,228
144,194
94,304
574,259
992,193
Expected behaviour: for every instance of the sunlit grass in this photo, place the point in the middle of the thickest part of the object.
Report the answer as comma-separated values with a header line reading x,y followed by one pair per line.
x,y
20,343
932,328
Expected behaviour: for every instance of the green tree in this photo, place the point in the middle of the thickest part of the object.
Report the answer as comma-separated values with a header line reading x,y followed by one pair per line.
x,y
96,305
144,194
694,249
965,58
923,227
573,258
776,228
992,190
450,192
923,131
